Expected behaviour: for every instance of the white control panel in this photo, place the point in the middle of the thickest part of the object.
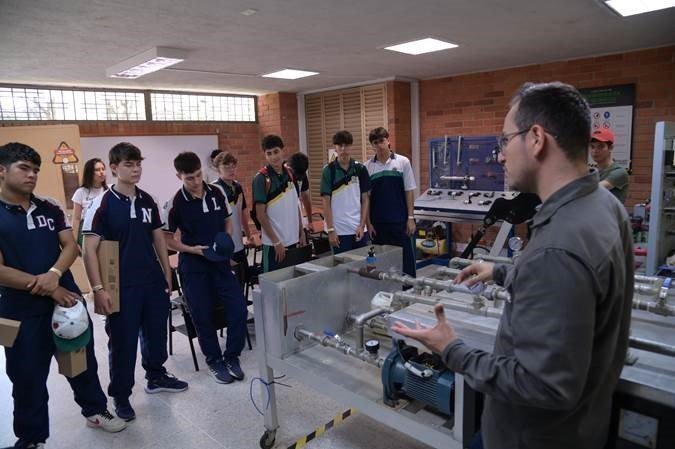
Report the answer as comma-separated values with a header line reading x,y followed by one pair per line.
x,y
456,205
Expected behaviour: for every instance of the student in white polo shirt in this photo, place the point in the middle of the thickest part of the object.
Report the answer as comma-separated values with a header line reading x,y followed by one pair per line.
x,y
391,198
275,197
345,185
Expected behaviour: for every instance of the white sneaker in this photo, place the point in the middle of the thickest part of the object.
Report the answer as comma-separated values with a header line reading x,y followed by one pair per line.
x,y
106,421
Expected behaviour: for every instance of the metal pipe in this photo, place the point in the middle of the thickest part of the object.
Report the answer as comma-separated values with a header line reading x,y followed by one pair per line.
x,y
654,307
482,311
457,178
646,289
459,262
377,323
490,292
634,342
366,273
642,279
495,259
448,271
303,334
359,320
651,346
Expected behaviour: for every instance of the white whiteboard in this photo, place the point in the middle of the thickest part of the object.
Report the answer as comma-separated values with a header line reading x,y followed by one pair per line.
x,y
159,176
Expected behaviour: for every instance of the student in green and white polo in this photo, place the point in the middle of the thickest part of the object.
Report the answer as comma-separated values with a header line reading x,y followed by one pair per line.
x,y
345,185
275,195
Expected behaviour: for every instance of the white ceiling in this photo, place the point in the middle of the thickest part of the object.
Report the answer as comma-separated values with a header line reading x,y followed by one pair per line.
x,y
72,42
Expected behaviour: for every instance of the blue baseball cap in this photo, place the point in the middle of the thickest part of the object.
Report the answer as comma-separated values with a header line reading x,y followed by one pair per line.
x,y
221,249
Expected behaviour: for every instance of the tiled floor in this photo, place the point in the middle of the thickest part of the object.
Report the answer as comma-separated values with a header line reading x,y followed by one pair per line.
x,y
208,415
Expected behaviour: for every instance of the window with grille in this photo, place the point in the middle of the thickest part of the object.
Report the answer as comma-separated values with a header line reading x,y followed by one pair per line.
x,y
27,103
357,110
193,107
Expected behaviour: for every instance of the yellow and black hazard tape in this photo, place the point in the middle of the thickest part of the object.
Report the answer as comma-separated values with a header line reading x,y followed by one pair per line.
x,y
322,429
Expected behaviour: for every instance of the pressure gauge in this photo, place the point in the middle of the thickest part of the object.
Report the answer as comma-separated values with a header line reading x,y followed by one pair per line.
x,y
372,346
638,428
515,243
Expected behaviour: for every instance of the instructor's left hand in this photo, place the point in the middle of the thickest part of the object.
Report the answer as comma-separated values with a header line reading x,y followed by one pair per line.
x,y
435,338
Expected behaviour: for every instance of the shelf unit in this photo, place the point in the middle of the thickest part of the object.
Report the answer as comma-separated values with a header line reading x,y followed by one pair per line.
x,y
661,240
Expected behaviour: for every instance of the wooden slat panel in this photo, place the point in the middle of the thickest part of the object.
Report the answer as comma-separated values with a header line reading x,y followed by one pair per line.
x,y
352,107
314,127
375,113
332,118
358,110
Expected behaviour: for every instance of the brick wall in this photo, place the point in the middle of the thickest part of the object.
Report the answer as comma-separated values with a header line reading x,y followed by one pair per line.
x,y
278,114
476,104
242,139
398,117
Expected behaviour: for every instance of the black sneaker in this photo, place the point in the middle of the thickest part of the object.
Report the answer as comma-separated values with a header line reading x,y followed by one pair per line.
x,y
233,367
220,373
167,382
124,410
21,445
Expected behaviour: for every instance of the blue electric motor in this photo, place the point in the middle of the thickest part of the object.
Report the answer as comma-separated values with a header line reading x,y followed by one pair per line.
x,y
422,377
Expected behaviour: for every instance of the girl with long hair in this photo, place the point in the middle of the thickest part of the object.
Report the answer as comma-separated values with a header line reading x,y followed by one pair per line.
x,y
93,184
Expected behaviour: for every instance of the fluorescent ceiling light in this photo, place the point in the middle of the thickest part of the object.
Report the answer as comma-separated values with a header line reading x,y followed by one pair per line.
x,y
632,7
156,58
248,12
290,74
421,46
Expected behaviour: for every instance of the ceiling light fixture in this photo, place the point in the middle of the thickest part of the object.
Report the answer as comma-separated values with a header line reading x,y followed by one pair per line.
x,y
421,46
290,74
149,61
633,7
248,12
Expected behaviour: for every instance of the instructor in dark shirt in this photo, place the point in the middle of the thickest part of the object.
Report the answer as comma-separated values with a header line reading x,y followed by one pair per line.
x,y
563,336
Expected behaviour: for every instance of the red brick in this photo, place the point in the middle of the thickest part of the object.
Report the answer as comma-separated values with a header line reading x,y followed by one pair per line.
x,y
495,93
483,102
652,71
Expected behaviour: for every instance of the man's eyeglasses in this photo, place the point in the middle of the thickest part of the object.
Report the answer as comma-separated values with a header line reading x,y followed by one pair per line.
x,y
504,139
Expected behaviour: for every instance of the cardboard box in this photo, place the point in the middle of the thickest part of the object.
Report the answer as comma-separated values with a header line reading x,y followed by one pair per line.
x,y
72,363
109,267
9,329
